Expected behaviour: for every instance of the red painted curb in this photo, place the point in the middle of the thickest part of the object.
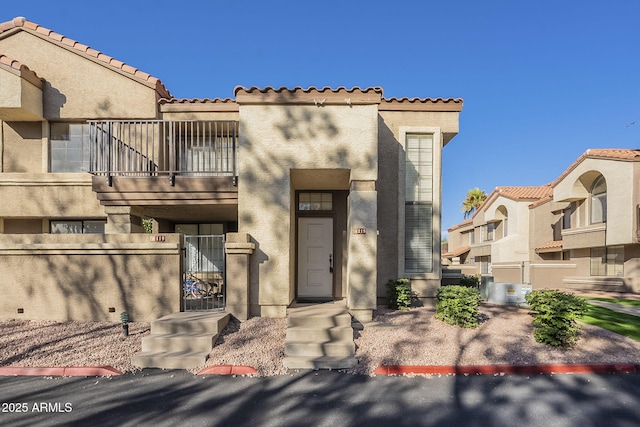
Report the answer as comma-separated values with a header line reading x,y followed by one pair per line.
x,y
605,368
61,371
227,370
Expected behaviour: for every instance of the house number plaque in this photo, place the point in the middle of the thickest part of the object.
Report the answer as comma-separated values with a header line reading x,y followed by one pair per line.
x,y
359,231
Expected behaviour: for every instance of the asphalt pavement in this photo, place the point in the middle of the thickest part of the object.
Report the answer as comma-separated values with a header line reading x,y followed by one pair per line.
x,y
321,398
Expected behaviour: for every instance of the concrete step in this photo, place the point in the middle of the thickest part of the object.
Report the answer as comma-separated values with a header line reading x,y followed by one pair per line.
x,y
320,319
319,336
306,333
340,349
323,362
170,360
179,342
190,323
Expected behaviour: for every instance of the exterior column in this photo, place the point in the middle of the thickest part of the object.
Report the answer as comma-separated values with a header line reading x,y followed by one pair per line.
x,y
362,244
238,248
122,220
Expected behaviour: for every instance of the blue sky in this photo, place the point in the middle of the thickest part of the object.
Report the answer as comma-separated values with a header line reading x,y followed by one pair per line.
x,y
542,81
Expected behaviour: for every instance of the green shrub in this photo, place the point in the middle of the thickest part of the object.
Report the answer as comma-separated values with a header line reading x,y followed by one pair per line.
x,y
470,280
555,315
458,305
399,294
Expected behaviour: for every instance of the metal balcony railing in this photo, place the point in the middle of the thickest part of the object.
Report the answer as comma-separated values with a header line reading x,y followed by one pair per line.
x,y
163,148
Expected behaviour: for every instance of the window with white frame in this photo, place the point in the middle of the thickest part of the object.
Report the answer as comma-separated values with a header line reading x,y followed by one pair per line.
x,y
607,261
419,204
68,147
599,201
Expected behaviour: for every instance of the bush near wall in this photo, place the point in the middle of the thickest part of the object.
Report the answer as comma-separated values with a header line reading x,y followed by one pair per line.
x,y
399,294
458,305
555,315
470,280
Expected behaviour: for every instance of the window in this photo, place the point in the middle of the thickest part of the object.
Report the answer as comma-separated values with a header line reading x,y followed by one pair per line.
x,y
607,261
472,237
486,232
485,264
69,147
599,201
505,226
490,229
566,217
418,213
78,227
315,202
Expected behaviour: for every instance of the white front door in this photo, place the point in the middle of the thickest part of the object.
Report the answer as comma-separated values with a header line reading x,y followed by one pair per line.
x,y
315,257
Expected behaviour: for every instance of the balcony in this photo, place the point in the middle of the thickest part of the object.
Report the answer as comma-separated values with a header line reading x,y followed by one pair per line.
x,y
152,163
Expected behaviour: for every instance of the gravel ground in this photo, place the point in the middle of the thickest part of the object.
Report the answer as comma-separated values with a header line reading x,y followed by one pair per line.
x,y
413,337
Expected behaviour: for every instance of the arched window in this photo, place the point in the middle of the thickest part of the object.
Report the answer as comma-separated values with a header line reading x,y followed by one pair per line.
x,y
599,201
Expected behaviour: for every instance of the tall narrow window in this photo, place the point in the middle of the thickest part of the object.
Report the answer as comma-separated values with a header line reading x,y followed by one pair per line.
x,y
419,204
599,201
69,147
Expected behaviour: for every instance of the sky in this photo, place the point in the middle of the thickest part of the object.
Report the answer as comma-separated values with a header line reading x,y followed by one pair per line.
x,y
542,81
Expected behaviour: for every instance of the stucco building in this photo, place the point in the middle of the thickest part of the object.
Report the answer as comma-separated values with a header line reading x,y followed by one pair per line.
x,y
578,232
276,195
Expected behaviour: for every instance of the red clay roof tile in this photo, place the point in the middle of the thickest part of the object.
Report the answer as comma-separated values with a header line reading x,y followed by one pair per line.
x,y
461,224
22,23
623,154
310,89
20,69
552,246
457,252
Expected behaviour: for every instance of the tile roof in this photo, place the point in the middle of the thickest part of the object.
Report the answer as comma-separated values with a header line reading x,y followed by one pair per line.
x,y
525,192
20,69
198,104
461,224
194,100
422,104
553,246
344,95
621,154
21,23
519,194
310,89
457,252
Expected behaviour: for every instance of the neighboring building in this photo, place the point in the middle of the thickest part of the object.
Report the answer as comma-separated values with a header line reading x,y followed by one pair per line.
x,y
319,193
582,232
498,231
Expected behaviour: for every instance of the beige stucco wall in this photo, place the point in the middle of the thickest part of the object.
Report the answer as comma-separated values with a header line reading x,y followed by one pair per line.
x,y
515,246
53,195
273,140
21,144
19,98
619,175
542,226
75,86
80,277
393,128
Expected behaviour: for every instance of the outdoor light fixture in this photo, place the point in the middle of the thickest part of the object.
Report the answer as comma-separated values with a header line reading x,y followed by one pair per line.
x,y
124,317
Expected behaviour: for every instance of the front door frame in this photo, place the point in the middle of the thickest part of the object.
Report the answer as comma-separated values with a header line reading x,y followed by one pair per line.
x,y
315,214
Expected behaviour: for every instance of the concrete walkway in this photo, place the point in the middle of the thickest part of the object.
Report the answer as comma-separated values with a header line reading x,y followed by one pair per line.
x,y
627,309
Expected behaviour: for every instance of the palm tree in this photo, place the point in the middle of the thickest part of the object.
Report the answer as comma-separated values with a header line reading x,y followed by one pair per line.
x,y
475,199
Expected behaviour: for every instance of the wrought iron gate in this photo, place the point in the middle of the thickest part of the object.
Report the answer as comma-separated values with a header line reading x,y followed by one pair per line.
x,y
203,283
